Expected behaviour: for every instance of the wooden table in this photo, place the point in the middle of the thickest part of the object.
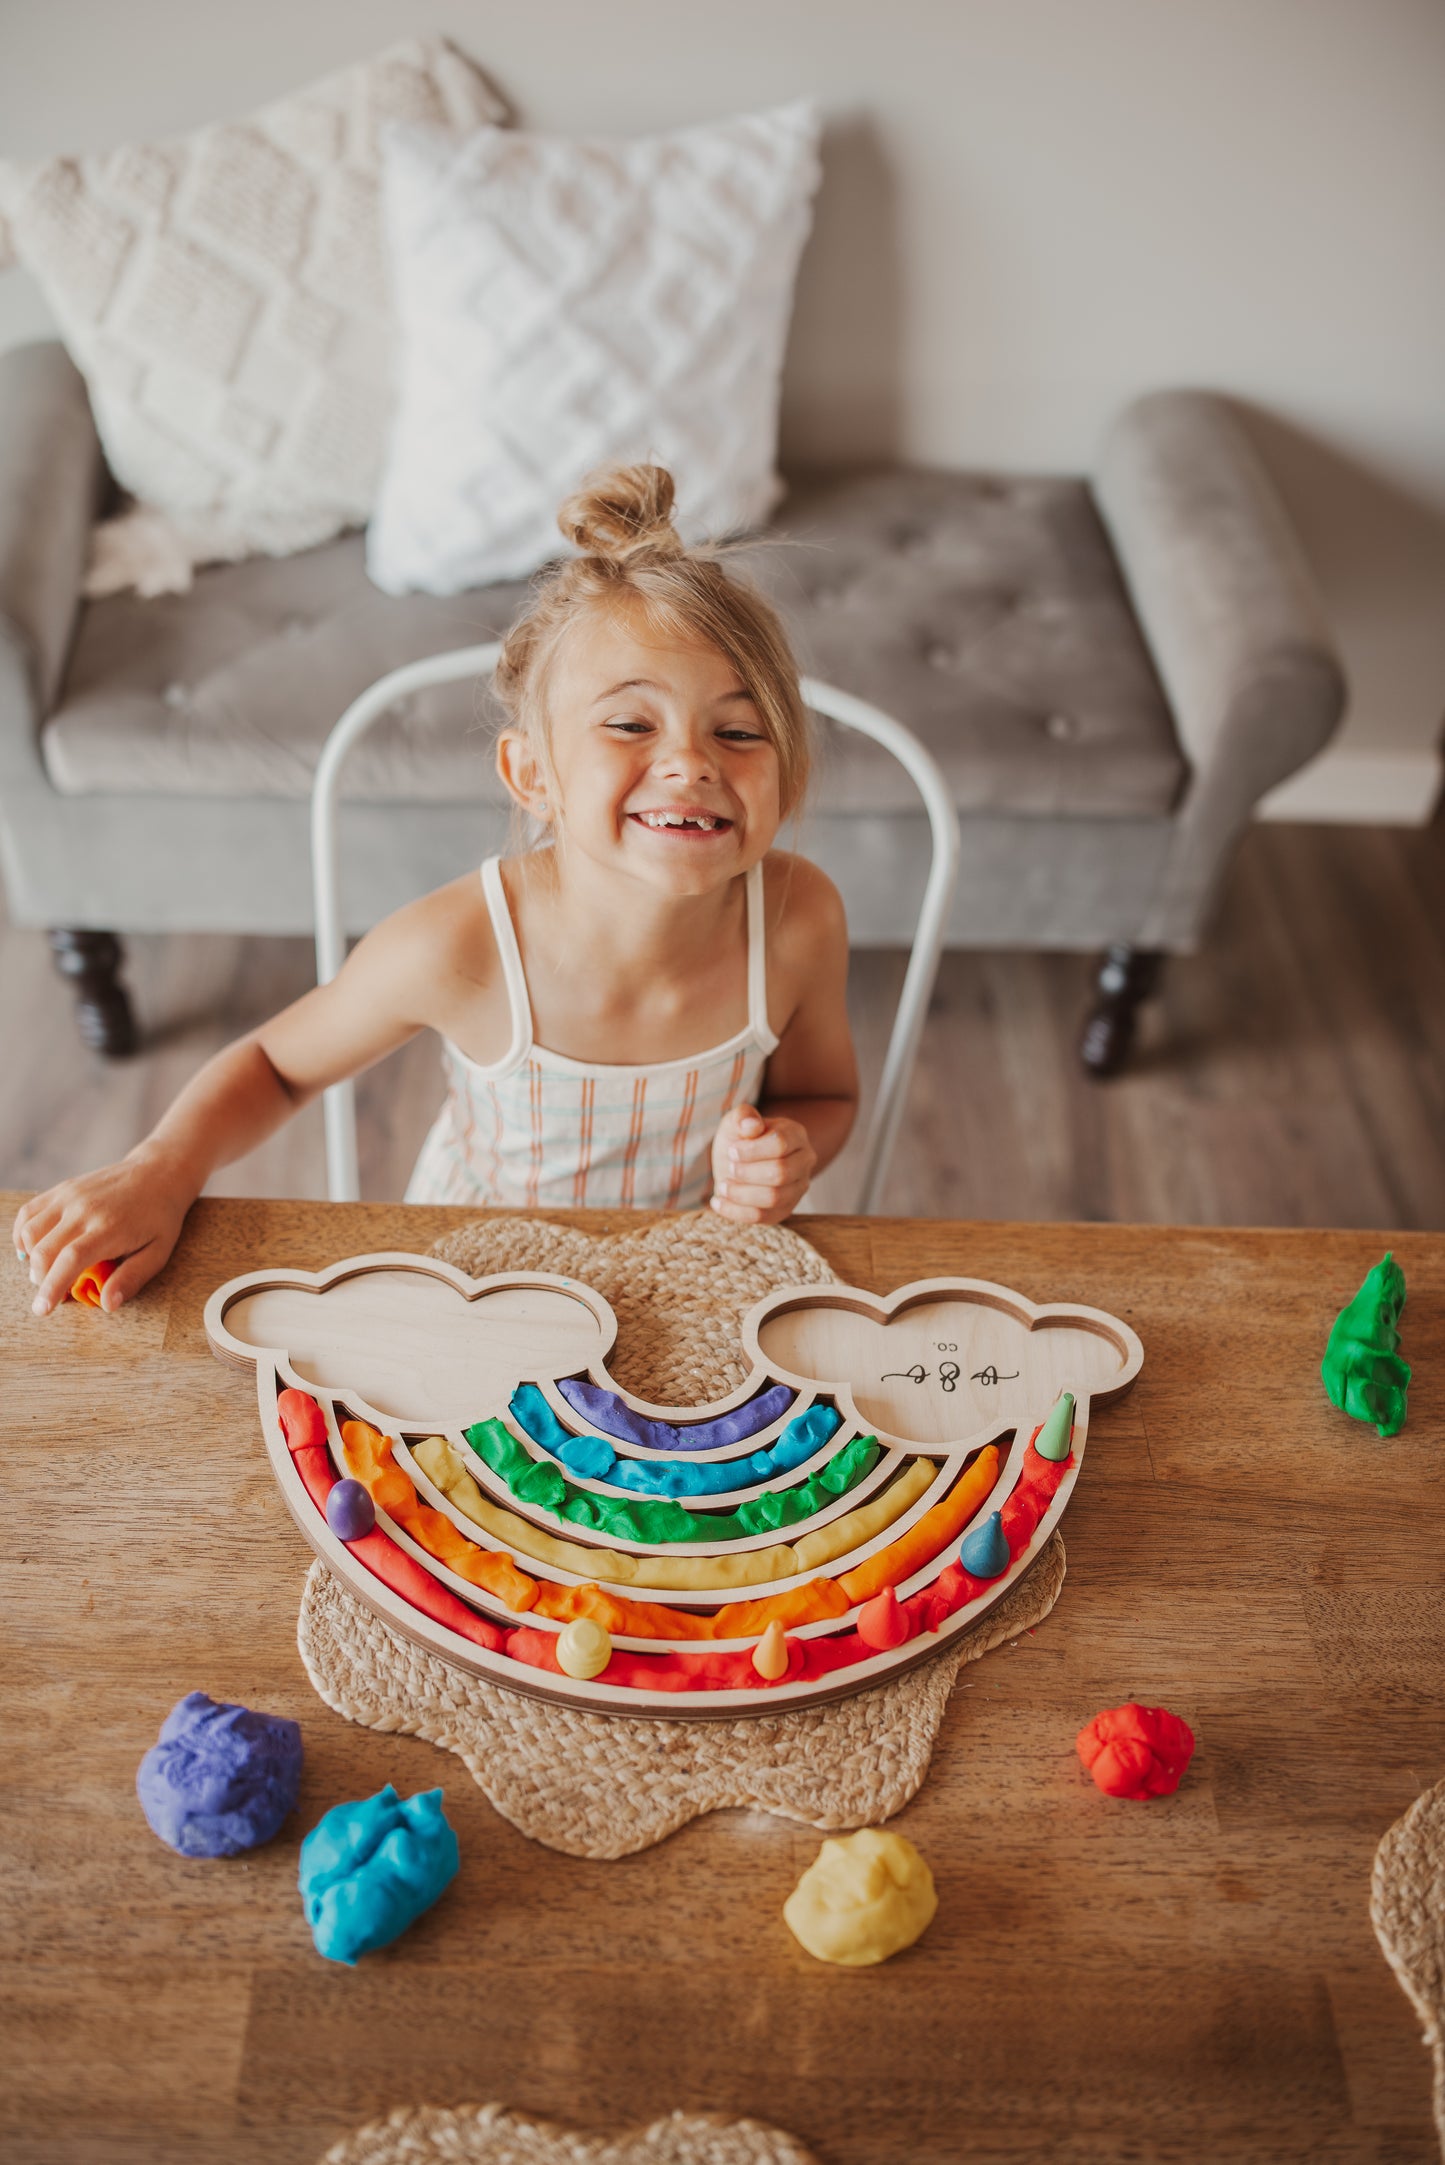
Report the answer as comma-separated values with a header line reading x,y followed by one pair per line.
x,y
1194,1978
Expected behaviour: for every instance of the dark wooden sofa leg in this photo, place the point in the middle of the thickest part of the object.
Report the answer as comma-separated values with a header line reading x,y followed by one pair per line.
x,y
92,961
1127,975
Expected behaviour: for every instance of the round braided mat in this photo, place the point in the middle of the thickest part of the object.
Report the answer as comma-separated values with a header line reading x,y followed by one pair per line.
x,y
605,1785
1407,1909
491,2135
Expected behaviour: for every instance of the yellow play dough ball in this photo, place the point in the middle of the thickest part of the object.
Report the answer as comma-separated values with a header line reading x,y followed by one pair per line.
x,y
584,1649
865,1897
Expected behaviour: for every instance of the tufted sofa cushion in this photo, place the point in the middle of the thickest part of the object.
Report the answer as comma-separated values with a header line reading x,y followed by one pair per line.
x,y
988,614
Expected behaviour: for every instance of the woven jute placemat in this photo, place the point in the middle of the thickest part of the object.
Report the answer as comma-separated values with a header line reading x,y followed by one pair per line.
x,y
1407,1909
598,1785
491,2135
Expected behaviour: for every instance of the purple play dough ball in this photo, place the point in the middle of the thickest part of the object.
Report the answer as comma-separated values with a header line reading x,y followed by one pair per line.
x,y
221,1779
350,1512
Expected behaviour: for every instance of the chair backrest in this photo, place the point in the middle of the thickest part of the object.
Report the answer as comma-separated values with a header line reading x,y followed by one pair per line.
x,y
343,1180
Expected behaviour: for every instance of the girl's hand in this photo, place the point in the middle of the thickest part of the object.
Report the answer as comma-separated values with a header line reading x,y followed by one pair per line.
x,y
131,1213
760,1168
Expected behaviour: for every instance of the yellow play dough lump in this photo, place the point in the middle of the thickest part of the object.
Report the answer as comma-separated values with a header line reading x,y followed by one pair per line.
x,y
865,1897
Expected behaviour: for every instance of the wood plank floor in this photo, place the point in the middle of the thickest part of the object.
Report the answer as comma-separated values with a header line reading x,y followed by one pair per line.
x,y
1292,1074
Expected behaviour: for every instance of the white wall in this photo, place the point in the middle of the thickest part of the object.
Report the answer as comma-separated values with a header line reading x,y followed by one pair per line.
x,y
1032,209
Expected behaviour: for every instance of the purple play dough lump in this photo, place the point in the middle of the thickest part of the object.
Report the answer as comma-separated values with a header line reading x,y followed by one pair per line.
x,y
350,1512
221,1779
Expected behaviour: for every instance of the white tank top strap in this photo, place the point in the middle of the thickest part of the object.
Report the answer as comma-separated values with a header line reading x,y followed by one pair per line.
x,y
758,964
505,934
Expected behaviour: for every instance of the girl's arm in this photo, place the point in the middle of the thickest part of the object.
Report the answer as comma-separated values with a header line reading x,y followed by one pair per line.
x,y
763,1159
132,1213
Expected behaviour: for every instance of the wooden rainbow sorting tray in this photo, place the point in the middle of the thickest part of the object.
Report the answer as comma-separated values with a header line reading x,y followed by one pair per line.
x,y
854,1457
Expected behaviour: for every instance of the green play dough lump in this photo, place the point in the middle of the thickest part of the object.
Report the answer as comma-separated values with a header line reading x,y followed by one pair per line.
x,y
649,1520
1363,1373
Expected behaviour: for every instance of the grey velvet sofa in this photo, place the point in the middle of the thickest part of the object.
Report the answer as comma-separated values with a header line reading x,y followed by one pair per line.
x,y
1112,671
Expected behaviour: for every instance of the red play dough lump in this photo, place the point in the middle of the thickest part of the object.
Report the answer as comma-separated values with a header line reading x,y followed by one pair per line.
x,y
1136,1751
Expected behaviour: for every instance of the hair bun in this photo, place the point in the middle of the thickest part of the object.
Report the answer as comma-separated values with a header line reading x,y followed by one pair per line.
x,y
622,513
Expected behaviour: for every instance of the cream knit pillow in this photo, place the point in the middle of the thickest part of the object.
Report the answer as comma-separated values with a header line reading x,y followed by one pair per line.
x,y
564,303
224,294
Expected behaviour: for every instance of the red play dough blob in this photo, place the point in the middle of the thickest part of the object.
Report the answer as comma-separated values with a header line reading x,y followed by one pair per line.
x,y
302,1421
1136,1751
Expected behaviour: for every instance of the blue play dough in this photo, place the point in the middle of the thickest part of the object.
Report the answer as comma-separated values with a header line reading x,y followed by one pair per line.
x,y
221,1779
985,1550
605,1410
370,1869
593,1459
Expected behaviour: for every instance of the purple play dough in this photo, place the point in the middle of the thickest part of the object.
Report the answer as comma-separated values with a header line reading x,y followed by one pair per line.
x,y
608,1412
221,1779
350,1512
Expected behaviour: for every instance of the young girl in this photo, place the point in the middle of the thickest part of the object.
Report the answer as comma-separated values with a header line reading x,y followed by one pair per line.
x,y
648,1011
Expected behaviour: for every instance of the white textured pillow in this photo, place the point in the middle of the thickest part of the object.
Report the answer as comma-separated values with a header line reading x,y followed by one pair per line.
x,y
224,295
562,304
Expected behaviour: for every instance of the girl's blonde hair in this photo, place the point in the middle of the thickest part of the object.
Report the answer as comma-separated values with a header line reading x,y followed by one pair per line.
x,y
621,521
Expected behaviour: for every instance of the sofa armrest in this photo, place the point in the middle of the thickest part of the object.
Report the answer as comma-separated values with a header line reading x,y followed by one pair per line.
x,y
53,483
1222,591
1228,608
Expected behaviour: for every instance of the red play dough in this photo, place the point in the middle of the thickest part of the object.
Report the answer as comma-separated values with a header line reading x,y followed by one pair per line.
x,y
1136,1751
380,1554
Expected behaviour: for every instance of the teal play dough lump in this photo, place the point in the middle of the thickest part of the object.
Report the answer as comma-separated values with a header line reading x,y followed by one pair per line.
x,y
1363,1373
370,1869
592,1458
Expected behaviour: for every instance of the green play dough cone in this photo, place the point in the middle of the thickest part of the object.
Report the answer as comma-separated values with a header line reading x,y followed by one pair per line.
x,y
1364,1375
1053,1438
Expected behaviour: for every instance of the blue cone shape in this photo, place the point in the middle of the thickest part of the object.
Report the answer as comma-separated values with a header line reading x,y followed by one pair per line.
x,y
985,1550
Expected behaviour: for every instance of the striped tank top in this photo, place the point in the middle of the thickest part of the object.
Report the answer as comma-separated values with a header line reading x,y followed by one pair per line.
x,y
538,1128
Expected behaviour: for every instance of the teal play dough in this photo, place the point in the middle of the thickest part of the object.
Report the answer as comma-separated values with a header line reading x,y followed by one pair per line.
x,y
592,1458
1052,1440
1364,1375
649,1521
986,1552
370,1869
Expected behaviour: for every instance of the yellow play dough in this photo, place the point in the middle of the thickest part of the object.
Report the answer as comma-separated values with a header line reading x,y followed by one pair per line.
x,y
866,1896
445,1465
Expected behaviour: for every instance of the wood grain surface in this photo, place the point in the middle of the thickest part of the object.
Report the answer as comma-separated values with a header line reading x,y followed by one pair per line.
x,y
1190,1979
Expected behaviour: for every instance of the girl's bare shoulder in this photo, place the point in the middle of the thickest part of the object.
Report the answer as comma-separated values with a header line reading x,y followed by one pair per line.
x,y
807,936
803,910
439,955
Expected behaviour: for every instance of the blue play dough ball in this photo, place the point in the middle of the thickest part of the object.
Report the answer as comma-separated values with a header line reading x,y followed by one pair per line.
x,y
221,1779
350,1512
985,1552
370,1869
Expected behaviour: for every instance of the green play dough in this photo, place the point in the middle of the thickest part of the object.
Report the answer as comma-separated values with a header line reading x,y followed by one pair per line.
x,y
1363,1373
661,1519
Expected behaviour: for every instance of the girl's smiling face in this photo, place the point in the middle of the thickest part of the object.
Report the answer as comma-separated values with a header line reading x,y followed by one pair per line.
x,y
660,762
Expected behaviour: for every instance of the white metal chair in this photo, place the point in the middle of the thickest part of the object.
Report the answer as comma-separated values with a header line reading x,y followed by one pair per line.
x,y
343,1180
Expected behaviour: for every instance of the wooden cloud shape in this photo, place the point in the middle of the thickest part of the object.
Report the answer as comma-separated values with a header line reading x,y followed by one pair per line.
x,y
943,1362
410,1341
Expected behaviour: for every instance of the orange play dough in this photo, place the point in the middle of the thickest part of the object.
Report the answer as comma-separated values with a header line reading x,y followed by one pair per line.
x,y
810,1604
369,1458
934,1531
86,1288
